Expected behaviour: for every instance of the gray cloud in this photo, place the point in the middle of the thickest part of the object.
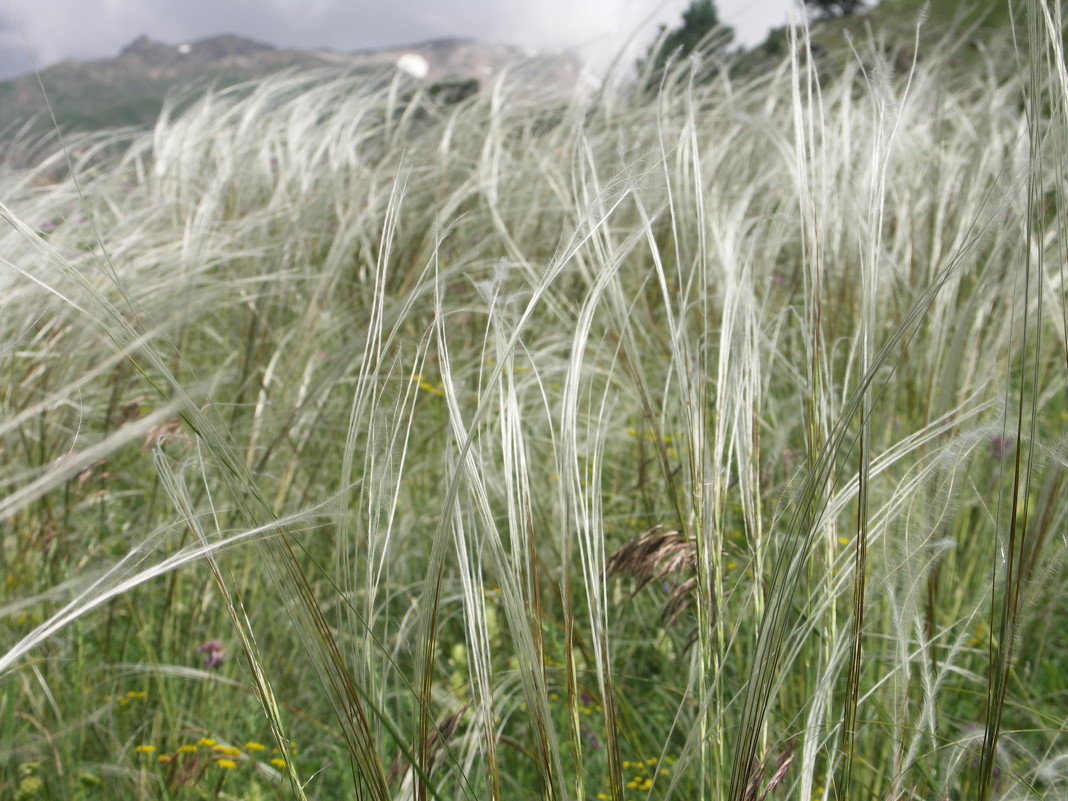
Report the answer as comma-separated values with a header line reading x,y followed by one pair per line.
x,y
85,29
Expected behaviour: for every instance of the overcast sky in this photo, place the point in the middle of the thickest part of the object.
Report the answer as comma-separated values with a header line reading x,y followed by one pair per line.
x,y
53,30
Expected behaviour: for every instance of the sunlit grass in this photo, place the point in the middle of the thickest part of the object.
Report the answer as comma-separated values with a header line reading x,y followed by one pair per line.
x,y
704,445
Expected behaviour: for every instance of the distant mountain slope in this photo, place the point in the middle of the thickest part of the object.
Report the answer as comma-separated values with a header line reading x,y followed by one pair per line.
x,y
129,89
977,20
968,30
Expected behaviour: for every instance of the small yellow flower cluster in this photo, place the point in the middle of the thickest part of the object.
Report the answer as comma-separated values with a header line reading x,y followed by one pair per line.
x,y
640,779
648,763
666,440
126,698
23,618
649,436
226,757
277,760
642,784
641,773
426,386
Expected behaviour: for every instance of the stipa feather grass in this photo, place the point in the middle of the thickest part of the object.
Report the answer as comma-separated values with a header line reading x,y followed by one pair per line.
x,y
658,554
444,375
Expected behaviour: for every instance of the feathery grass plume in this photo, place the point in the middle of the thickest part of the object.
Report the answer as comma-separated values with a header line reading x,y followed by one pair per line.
x,y
657,554
388,387
1048,83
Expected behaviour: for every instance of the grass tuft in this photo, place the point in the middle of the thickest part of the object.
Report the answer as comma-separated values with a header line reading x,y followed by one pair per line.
x,y
602,446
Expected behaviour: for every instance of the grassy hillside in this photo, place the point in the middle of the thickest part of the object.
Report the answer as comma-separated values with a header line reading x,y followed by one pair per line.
x,y
131,88
990,13
708,448
971,33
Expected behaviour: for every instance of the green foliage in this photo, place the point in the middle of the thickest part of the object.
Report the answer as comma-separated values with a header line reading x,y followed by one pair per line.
x,y
453,91
700,27
828,9
373,389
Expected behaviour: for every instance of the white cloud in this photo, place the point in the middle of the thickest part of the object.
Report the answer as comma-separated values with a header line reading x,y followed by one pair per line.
x,y
305,10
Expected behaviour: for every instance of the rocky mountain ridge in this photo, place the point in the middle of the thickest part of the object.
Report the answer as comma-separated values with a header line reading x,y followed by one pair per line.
x,y
129,89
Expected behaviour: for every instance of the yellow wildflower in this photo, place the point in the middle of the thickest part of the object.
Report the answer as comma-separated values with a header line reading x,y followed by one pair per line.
x,y
205,742
226,764
251,746
145,749
426,386
278,763
187,749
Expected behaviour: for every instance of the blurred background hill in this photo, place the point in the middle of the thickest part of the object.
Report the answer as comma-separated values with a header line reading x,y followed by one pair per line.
x,y
129,89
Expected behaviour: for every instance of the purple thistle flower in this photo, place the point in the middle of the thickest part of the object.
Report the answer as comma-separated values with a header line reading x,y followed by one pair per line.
x,y
1001,446
590,737
213,654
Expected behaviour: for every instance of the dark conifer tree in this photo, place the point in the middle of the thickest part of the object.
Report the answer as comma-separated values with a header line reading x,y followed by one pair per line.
x,y
699,20
828,9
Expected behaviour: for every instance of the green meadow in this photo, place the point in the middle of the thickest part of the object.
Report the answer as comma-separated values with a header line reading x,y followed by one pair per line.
x,y
700,442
